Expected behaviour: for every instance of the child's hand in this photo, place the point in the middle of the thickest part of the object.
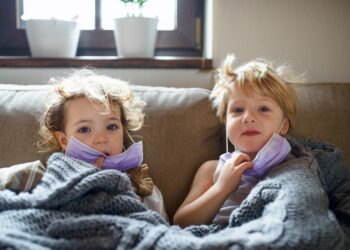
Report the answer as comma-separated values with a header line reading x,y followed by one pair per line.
x,y
99,162
231,173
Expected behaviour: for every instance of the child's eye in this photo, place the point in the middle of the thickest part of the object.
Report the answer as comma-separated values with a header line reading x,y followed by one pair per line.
x,y
264,109
237,110
84,130
112,127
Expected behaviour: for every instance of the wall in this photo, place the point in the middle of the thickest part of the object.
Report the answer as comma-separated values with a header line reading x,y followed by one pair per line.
x,y
311,35
153,77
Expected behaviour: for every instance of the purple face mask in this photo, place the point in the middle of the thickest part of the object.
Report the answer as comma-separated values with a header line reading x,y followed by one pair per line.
x,y
270,155
124,161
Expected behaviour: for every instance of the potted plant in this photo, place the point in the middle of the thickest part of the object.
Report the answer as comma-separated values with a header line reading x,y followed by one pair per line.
x,y
135,35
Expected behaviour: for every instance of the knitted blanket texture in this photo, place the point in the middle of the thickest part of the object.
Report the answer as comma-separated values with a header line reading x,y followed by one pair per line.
x,y
77,206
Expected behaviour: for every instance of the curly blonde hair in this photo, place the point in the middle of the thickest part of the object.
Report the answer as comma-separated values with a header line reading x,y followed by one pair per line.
x,y
105,92
259,76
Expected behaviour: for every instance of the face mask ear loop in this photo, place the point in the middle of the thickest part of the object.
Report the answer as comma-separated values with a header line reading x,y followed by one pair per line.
x,y
63,151
279,130
127,132
226,143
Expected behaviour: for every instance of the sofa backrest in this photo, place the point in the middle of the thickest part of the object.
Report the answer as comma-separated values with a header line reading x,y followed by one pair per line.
x,y
181,130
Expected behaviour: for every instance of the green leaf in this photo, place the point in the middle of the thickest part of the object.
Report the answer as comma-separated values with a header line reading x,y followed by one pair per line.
x,y
140,3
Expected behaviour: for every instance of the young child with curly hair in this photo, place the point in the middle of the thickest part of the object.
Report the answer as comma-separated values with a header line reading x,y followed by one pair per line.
x,y
88,117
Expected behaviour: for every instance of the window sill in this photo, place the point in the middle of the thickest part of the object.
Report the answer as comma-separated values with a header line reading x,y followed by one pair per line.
x,y
107,62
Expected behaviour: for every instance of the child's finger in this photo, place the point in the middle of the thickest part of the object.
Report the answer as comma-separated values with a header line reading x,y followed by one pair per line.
x,y
99,161
243,166
241,158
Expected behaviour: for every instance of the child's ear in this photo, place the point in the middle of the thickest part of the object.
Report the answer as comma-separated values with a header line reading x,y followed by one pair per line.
x,y
62,139
285,127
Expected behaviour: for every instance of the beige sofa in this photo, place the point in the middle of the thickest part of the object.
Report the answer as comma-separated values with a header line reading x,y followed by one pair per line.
x,y
181,130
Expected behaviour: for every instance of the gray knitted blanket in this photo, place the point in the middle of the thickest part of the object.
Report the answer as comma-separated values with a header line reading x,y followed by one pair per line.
x,y
76,206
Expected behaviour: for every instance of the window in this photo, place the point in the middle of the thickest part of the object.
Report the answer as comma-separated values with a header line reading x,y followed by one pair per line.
x,y
164,10
181,36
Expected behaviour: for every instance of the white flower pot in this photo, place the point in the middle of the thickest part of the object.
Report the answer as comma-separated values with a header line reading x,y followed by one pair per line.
x,y
135,36
52,38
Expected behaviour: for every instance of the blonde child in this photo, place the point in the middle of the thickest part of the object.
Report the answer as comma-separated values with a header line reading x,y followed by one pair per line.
x,y
88,117
258,107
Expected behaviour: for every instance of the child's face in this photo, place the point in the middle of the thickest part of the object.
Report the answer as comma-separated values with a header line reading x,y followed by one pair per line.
x,y
252,120
84,121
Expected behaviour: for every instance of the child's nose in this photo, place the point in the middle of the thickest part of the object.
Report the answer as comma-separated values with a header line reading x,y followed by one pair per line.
x,y
249,117
100,138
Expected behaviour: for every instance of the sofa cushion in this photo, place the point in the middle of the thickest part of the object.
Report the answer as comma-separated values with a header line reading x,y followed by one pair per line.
x,y
20,109
180,132
324,114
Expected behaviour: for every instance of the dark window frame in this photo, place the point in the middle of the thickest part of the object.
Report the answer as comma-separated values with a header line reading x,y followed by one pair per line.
x,y
185,41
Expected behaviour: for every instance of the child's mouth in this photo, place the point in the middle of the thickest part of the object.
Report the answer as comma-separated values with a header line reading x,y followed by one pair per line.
x,y
105,153
251,133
